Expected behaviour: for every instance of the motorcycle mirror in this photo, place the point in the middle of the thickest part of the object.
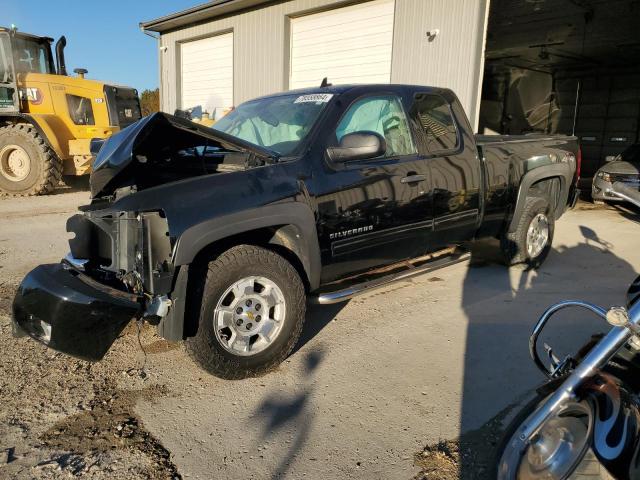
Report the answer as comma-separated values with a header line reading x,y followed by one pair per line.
x,y
618,316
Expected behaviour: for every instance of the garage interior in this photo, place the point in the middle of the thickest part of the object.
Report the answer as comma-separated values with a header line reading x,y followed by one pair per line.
x,y
568,67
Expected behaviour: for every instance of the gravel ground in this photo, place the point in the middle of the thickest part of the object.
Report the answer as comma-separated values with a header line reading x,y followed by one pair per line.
x,y
378,388
60,416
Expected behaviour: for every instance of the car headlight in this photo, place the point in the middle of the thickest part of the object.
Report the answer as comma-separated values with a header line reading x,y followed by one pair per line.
x,y
80,110
605,176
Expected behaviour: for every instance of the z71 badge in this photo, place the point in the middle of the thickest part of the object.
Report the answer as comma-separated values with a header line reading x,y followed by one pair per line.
x,y
348,233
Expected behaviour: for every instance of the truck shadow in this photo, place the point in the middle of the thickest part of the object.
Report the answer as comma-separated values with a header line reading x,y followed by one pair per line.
x,y
318,317
283,411
502,306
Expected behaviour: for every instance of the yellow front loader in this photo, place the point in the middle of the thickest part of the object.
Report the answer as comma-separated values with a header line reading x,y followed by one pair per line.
x,y
48,118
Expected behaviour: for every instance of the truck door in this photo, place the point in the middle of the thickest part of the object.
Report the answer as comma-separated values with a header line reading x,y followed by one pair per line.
x,y
8,87
454,174
373,212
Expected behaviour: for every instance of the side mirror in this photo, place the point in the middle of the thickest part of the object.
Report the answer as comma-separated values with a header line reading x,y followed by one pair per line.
x,y
358,146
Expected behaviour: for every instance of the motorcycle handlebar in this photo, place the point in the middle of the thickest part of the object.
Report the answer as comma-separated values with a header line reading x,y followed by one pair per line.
x,y
626,193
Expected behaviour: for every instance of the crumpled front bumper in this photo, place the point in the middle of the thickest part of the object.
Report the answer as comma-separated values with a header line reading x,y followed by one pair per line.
x,y
70,312
600,189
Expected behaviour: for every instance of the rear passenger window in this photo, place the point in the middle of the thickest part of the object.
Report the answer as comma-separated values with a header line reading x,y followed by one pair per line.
x,y
436,121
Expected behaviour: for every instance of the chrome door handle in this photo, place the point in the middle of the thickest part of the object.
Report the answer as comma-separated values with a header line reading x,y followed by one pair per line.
x,y
413,179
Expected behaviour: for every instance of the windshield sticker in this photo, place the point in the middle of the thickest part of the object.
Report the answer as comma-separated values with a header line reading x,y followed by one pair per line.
x,y
314,98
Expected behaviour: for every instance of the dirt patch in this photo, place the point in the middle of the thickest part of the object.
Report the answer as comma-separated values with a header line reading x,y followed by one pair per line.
x,y
108,422
160,346
586,206
440,461
471,457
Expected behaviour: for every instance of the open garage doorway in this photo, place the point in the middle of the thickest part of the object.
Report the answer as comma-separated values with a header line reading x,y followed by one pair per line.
x,y
568,67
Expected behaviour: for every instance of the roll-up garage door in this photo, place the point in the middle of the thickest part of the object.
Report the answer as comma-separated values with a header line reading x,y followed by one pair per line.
x,y
346,45
207,73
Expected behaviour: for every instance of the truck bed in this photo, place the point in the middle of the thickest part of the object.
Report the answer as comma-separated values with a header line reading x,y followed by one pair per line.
x,y
482,140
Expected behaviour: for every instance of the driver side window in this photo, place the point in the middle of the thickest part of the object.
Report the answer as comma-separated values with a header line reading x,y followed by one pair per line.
x,y
383,115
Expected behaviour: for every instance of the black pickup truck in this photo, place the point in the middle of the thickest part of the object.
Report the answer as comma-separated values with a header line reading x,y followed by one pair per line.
x,y
220,235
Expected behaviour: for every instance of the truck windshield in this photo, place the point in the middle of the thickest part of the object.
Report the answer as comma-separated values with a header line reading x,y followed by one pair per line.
x,y
31,55
278,123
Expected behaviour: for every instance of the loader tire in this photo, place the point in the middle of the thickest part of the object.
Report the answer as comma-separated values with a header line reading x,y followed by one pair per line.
x,y
28,166
252,313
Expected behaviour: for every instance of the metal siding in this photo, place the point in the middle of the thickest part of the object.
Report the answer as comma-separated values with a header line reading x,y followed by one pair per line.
x,y
454,59
261,48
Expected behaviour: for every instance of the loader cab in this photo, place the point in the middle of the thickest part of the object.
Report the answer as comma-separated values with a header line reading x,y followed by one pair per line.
x,y
21,53
8,88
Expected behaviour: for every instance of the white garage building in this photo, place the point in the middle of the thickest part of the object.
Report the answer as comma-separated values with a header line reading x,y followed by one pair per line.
x,y
518,66
227,51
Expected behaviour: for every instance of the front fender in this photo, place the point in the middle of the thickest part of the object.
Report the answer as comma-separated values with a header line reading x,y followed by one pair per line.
x,y
616,430
299,234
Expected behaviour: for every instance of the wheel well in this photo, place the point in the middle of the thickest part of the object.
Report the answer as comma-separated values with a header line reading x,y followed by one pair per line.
x,y
12,119
549,188
6,120
263,237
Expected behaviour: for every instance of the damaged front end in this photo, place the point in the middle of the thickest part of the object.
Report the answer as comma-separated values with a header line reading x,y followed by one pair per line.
x,y
119,268
120,264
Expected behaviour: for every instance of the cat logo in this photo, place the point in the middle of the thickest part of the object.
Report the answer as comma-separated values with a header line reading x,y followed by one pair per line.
x,y
32,95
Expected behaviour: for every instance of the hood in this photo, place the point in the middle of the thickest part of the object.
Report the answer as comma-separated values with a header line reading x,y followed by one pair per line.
x,y
622,167
120,152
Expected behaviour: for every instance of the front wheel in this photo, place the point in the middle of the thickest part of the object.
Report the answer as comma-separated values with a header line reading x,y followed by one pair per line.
x,y
531,241
253,309
561,449
28,166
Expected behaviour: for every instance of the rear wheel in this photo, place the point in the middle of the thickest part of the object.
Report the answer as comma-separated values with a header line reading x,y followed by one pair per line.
x,y
253,309
27,165
531,241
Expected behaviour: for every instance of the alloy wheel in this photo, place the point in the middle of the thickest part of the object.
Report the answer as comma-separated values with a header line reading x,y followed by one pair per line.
x,y
249,315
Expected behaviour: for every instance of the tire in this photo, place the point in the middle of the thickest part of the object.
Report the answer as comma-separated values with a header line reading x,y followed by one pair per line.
x,y
214,346
28,166
515,245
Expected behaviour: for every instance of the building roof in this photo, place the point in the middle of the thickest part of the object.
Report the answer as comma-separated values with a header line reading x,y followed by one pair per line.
x,y
199,13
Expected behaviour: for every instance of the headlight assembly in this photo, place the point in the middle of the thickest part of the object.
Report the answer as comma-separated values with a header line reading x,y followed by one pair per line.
x,y
605,176
555,451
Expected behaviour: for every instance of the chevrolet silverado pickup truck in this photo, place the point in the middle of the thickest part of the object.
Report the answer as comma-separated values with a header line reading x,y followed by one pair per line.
x,y
219,236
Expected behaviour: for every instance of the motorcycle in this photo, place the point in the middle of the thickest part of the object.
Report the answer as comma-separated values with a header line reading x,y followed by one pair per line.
x,y
584,422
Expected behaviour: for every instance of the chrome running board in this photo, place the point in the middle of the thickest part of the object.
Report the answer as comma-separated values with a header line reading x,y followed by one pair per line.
x,y
406,269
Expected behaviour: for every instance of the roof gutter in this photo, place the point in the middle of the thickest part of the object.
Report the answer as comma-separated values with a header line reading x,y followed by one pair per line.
x,y
205,11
